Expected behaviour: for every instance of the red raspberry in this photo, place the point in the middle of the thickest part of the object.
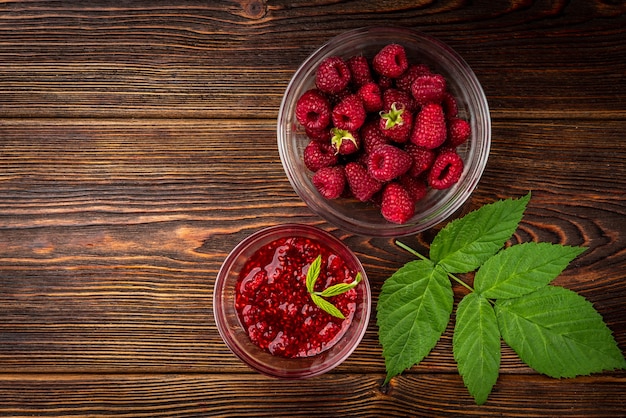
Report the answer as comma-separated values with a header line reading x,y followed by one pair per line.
x,y
372,137
459,131
318,154
360,70
446,170
313,110
422,159
345,142
430,129
371,97
387,162
333,75
416,187
385,82
401,98
405,80
391,61
330,181
396,124
318,134
428,89
362,185
397,205
449,105
349,113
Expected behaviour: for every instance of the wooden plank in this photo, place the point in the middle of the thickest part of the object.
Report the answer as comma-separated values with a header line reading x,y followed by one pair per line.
x,y
112,232
235,59
330,395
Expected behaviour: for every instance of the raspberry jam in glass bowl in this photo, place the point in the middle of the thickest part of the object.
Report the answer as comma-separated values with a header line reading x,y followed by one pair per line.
x,y
365,218
265,313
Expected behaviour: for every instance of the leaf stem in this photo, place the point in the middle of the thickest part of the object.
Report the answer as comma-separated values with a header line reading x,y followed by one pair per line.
x,y
461,282
418,255
411,250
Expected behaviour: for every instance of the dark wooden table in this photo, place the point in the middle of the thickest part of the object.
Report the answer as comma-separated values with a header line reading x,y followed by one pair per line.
x,y
138,147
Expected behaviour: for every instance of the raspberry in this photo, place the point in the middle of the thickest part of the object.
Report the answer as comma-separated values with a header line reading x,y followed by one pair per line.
x,y
450,107
397,205
349,113
396,124
387,162
333,75
318,134
428,89
405,80
345,142
459,131
313,110
430,129
391,61
422,159
385,82
371,96
318,154
416,187
446,170
359,70
330,181
362,185
400,98
372,137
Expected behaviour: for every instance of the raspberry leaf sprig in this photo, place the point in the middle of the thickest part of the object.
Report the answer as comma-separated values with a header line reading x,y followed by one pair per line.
x,y
318,297
552,329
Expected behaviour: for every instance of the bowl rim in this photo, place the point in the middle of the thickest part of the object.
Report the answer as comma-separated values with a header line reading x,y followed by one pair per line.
x,y
455,197
266,363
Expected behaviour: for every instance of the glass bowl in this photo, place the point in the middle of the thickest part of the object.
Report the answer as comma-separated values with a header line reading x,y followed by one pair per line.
x,y
365,218
236,336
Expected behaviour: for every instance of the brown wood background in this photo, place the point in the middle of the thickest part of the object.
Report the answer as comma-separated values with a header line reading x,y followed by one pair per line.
x,y
138,147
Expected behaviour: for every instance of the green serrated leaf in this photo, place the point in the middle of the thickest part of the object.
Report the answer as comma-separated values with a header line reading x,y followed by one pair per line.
x,y
558,333
413,311
522,269
313,273
340,288
476,345
466,243
326,306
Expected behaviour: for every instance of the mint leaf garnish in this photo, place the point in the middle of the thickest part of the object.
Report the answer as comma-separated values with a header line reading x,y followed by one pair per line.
x,y
318,297
313,273
413,312
554,330
476,345
558,333
340,288
523,268
466,243
326,306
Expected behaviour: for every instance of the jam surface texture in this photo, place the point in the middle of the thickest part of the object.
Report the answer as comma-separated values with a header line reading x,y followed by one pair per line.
x,y
275,307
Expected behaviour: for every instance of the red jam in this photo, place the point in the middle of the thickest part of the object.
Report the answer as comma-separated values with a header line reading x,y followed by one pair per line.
x,y
275,307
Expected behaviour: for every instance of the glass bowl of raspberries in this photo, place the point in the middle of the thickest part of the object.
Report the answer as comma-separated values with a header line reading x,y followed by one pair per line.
x,y
384,131
292,301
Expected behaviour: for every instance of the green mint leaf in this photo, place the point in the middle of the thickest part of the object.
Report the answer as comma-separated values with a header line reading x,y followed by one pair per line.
x,y
522,269
326,306
413,311
476,345
313,273
558,333
340,288
466,243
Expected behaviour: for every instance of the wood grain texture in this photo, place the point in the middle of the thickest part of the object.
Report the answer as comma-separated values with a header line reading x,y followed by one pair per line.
x,y
138,147
256,396
208,60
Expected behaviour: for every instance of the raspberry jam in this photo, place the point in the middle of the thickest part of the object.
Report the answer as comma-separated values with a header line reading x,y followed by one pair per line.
x,y
273,303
